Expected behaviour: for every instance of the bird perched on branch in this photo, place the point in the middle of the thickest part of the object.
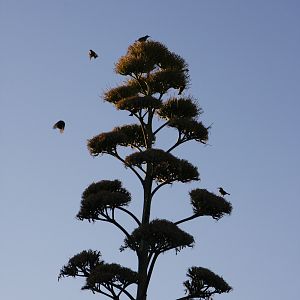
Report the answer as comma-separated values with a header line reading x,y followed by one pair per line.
x,y
180,90
223,192
59,125
93,54
143,38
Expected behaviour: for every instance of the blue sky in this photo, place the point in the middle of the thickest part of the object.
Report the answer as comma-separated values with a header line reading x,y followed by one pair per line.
x,y
244,65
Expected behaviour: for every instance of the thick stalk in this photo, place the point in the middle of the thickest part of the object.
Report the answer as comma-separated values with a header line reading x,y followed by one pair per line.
x,y
147,186
143,257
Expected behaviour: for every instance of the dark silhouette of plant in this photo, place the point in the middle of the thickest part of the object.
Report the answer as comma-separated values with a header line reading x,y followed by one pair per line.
x,y
153,73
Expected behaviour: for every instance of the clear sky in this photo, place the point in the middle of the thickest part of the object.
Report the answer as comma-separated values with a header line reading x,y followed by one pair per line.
x,y
244,65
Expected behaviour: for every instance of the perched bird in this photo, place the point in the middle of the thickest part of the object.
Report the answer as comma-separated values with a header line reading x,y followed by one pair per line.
x,y
93,54
222,192
59,125
181,88
143,38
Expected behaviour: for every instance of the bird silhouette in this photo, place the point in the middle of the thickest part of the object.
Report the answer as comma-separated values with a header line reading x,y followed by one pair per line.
x,y
143,38
93,54
223,192
59,125
181,88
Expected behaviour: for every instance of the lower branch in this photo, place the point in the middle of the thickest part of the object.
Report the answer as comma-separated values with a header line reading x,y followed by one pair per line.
x,y
154,258
98,290
187,219
123,290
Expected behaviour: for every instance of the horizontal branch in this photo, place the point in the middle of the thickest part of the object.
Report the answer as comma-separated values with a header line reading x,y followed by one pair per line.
x,y
184,298
187,219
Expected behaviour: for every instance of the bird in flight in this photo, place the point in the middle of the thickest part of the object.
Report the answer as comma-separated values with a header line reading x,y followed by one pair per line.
x,y
59,125
143,38
93,54
223,192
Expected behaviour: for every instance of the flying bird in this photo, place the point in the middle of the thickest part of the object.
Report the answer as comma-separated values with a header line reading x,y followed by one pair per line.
x,y
59,125
223,192
143,38
93,54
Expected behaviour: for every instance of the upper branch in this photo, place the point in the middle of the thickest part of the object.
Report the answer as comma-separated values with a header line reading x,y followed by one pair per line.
x,y
187,219
129,166
159,186
138,78
161,127
114,222
130,214
174,146
98,290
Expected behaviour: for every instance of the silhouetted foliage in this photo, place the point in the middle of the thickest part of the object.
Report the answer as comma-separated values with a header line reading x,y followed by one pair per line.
x,y
165,166
160,235
136,103
208,204
100,277
143,58
164,79
129,89
100,196
153,75
112,275
179,108
107,142
81,264
190,129
203,283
